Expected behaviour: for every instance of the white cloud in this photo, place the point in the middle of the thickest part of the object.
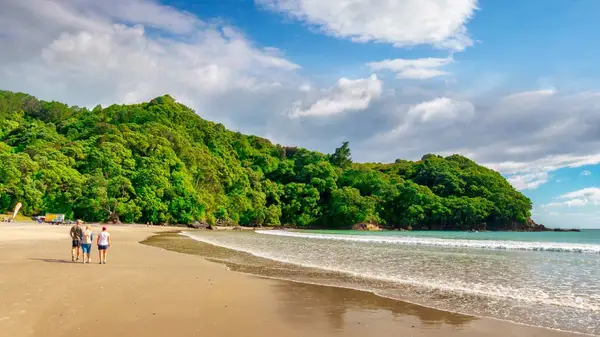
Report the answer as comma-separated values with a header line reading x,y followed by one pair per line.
x,y
586,173
526,142
586,196
347,95
431,117
440,23
528,99
531,174
442,108
528,95
150,13
592,193
88,52
528,181
305,87
420,73
419,69
548,163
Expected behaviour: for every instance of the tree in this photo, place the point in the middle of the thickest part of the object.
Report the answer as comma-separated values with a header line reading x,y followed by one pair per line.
x,y
341,156
300,204
349,207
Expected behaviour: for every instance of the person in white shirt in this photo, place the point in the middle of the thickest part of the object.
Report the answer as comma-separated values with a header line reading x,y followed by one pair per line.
x,y
86,244
103,242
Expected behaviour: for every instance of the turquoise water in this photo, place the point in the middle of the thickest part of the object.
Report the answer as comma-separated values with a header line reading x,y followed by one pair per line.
x,y
548,279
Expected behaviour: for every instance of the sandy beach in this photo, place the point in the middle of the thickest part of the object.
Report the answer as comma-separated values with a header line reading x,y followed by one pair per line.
x,y
148,291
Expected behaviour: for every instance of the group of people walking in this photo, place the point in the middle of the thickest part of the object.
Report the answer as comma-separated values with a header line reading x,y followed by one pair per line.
x,y
82,240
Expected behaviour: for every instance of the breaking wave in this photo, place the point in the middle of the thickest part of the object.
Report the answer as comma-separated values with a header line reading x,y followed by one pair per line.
x,y
449,243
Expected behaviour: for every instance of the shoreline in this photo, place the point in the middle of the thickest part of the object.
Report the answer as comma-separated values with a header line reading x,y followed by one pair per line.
x,y
381,229
420,306
149,291
248,228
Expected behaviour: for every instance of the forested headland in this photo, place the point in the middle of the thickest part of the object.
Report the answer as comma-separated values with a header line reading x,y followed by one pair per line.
x,y
159,161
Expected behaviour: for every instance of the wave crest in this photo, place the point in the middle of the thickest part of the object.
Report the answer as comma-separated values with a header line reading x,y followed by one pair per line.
x,y
449,243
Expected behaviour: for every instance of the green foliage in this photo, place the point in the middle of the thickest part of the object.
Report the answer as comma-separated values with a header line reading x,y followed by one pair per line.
x,y
348,206
160,162
341,156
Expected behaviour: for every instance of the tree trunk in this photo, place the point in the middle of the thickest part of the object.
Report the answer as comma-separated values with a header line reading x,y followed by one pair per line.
x,y
114,218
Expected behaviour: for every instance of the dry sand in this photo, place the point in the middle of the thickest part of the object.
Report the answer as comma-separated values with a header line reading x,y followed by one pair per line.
x,y
147,291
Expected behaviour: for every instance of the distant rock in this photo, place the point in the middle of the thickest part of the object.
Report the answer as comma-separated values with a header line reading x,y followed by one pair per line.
x,y
199,225
566,230
365,227
532,226
529,226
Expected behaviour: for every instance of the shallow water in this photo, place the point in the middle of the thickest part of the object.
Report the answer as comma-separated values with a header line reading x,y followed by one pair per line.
x,y
543,279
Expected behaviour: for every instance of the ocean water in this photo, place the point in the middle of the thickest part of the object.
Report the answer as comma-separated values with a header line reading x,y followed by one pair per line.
x,y
548,279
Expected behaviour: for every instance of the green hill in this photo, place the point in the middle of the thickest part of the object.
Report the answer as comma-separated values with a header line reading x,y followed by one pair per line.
x,y
159,161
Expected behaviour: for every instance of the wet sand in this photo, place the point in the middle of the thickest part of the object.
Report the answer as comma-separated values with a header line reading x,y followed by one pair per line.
x,y
148,291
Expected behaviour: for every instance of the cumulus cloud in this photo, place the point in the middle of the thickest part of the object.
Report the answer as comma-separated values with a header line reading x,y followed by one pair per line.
x,y
418,69
547,163
147,12
437,115
542,131
442,108
586,196
523,135
528,99
347,95
528,181
440,23
87,52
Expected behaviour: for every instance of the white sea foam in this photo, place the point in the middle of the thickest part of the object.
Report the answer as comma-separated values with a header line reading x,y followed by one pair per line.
x,y
492,291
449,243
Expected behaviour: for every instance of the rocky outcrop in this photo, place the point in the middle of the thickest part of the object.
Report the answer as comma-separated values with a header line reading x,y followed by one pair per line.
x,y
199,225
566,230
532,226
365,227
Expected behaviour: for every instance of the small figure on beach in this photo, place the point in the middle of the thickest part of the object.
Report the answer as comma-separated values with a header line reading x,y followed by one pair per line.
x,y
103,242
86,244
76,234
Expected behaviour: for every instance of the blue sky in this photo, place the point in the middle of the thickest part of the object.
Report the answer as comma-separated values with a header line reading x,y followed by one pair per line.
x,y
512,84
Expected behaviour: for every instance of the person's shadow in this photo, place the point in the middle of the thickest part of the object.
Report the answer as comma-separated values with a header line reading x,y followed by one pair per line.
x,y
52,260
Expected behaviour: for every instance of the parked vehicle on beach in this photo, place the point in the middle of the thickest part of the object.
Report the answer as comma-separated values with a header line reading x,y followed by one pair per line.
x,y
55,219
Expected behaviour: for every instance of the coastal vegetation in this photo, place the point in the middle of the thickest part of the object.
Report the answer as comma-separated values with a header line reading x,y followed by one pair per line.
x,y
160,162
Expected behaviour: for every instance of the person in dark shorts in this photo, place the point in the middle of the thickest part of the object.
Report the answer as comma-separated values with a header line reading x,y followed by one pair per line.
x,y
76,234
103,242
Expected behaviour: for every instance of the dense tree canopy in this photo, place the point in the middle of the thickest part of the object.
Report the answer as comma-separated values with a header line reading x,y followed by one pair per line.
x,y
160,162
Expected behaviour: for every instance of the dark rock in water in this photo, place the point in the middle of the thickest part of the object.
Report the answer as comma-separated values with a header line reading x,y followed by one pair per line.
x,y
531,226
199,225
224,223
365,227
